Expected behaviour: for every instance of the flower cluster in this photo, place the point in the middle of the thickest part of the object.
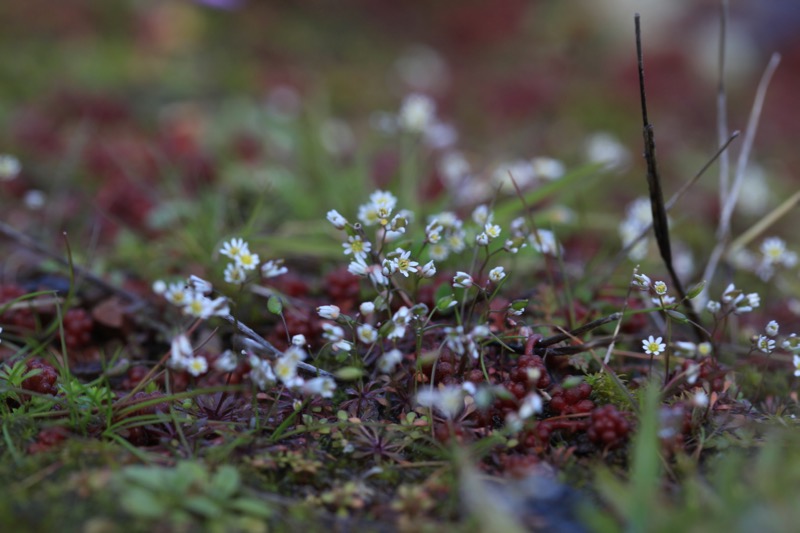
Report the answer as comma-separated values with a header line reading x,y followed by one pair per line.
x,y
182,357
192,296
734,301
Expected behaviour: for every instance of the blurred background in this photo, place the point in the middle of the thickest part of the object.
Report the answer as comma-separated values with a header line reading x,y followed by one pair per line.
x,y
133,106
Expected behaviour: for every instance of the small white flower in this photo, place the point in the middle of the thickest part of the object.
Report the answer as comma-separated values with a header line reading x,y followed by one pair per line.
x,y
433,232
765,344
492,230
177,294
544,241
663,300
642,281
159,287
357,247
687,349
286,370
197,366
247,260
403,263
342,346
198,284
331,312
234,247
481,215
226,362
273,268
10,167
319,386
660,287
448,400
497,273
700,399
772,328
692,373
367,334
389,360
713,307
482,239
295,353
791,343
773,249
438,252
531,404
417,113
335,218
180,353
299,340
547,168
704,349
462,280
731,294
653,346
235,274
332,332
366,309
428,270
261,372
796,362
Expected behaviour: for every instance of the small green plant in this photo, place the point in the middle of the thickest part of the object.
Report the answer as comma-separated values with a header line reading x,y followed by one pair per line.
x,y
189,494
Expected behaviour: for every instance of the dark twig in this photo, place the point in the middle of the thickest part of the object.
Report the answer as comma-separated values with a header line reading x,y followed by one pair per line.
x,y
589,326
660,227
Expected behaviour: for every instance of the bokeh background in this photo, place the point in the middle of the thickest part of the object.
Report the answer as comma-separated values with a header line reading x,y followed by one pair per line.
x,y
120,111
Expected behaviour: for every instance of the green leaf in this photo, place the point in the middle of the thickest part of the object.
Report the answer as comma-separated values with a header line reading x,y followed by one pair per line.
x,y
251,507
677,316
444,303
225,482
150,477
695,290
203,505
143,503
275,305
349,373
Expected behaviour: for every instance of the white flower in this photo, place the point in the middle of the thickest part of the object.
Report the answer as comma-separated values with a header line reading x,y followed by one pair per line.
x,y
319,386
331,312
428,270
772,328
180,353
497,273
433,232
273,268
159,287
389,360
403,264
692,373
791,343
235,274
417,113
482,239
796,362
234,247
642,281
482,215
531,404
338,221
765,344
342,346
653,346
704,349
663,300
332,332
177,294
773,249
544,241
197,366
731,294
700,399
448,400
492,230
547,168
366,309
713,307
299,340
456,242
481,331
400,321
226,362
10,167
660,287
438,252
295,353
261,372
286,370
247,260
203,307
367,334
686,348
198,284
462,280
356,246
